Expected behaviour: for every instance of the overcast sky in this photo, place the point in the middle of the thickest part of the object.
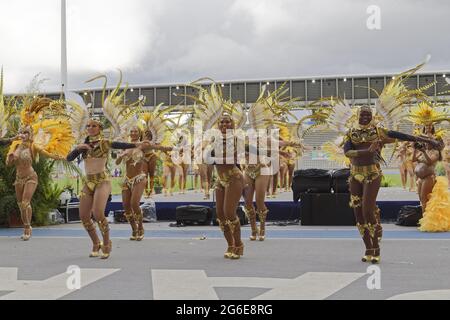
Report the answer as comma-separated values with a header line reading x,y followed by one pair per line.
x,y
177,41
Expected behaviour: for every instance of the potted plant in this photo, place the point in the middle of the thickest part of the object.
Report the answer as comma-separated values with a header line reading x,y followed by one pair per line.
x,y
158,185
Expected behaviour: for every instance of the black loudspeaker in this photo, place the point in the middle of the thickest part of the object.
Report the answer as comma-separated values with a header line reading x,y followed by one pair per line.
x,y
409,216
326,209
240,213
339,180
119,216
70,212
311,181
193,215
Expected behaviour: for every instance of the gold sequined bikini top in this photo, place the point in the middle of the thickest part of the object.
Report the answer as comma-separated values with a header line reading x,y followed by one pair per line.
x,y
363,135
100,149
136,156
25,153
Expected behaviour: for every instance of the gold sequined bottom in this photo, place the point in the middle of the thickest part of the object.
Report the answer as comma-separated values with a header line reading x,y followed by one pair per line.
x,y
224,180
129,183
365,174
93,180
31,178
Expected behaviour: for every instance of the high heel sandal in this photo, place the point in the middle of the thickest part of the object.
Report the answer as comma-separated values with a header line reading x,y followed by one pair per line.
x,y
131,218
26,236
376,258
134,235
228,253
262,214
251,216
140,234
106,250
237,252
254,234
96,250
367,257
140,226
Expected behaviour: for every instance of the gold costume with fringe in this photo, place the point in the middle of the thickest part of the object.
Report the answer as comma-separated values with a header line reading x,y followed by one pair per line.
x,y
365,174
224,180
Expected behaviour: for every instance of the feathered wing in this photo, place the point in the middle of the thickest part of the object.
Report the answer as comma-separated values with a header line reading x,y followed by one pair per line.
x,y
53,137
340,116
237,113
209,105
336,153
78,113
395,95
260,114
119,114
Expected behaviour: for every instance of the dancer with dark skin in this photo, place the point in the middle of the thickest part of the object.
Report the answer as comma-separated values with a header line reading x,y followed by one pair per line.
x,y
230,184
363,147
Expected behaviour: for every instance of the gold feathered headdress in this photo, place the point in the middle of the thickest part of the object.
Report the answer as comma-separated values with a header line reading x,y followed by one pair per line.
x,y
389,111
119,114
425,113
157,124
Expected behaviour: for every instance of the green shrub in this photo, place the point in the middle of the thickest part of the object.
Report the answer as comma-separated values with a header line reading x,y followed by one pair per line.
x,y
386,182
45,199
440,170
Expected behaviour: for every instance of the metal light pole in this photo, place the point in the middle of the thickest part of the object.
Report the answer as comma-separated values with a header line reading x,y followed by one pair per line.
x,y
63,48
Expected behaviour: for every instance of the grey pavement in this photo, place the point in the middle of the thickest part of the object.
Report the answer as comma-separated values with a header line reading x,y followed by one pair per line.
x,y
295,262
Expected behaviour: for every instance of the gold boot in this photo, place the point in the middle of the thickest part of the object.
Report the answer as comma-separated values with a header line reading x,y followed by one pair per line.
x,y
131,218
89,226
140,225
378,227
103,225
376,258
251,216
106,250
362,228
367,257
228,236
262,214
25,214
96,247
235,227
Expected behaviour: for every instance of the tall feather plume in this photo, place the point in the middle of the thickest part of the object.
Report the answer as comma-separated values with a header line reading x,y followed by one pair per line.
x,y
78,112
209,105
156,122
396,95
260,113
115,110
340,116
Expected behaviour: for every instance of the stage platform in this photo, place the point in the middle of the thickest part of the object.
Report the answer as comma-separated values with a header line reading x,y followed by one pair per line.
x,y
281,208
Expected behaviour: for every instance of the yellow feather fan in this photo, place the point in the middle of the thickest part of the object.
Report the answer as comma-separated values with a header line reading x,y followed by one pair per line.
x,y
51,137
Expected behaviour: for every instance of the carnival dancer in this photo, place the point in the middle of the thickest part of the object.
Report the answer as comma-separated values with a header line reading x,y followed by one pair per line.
x,y
365,136
41,132
433,193
95,151
135,180
214,112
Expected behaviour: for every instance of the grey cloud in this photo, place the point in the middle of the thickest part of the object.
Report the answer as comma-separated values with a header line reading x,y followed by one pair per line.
x,y
225,40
